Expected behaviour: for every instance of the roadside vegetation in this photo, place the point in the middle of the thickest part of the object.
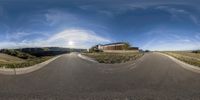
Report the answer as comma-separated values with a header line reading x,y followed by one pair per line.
x,y
5,59
14,58
190,57
10,58
25,57
25,63
110,58
16,53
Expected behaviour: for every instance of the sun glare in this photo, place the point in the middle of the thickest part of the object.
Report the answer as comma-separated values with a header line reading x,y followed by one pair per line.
x,y
71,43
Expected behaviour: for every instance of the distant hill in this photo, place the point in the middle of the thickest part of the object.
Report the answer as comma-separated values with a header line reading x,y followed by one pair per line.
x,y
26,53
39,52
48,51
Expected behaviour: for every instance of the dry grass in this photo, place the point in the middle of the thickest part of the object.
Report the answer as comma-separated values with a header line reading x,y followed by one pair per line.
x,y
188,57
5,59
8,61
111,58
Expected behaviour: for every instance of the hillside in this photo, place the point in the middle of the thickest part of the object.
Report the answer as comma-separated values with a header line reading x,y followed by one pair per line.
x,y
5,59
23,57
17,53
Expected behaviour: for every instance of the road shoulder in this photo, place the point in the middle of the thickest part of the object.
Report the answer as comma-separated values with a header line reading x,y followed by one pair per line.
x,y
183,64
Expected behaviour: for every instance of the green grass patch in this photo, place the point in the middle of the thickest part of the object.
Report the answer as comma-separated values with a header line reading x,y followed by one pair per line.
x,y
111,58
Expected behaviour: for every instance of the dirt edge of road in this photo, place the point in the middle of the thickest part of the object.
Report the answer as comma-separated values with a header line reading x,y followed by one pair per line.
x,y
183,64
18,71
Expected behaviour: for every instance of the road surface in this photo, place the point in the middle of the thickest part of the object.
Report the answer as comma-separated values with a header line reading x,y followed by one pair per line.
x,y
153,77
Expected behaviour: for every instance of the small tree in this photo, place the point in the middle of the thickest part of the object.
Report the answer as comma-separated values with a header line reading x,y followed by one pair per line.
x,y
94,49
126,46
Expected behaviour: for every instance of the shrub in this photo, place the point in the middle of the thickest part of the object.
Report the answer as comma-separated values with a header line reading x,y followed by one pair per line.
x,y
196,51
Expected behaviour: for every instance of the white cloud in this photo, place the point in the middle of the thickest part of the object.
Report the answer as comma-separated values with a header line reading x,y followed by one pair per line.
x,y
74,38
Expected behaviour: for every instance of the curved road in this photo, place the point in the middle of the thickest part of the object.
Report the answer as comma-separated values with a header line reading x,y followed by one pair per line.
x,y
153,77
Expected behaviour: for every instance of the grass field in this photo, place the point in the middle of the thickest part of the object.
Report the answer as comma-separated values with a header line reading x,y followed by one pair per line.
x,y
8,61
111,58
188,57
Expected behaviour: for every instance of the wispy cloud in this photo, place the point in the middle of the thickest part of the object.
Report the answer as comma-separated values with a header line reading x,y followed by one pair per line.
x,y
197,36
177,13
172,10
184,44
163,39
73,38
54,17
106,12
194,19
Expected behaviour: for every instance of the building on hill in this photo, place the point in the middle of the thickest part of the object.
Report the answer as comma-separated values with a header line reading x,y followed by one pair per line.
x,y
117,47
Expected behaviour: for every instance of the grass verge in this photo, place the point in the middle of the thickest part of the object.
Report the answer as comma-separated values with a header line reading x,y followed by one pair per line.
x,y
111,58
188,57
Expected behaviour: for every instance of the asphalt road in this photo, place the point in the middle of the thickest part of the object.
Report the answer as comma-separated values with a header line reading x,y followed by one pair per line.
x,y
153,77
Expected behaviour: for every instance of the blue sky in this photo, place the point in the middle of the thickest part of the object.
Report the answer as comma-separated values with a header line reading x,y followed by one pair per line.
x,y
148,24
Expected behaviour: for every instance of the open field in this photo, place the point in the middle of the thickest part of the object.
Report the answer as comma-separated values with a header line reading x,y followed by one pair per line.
x,y
188,57
111,58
